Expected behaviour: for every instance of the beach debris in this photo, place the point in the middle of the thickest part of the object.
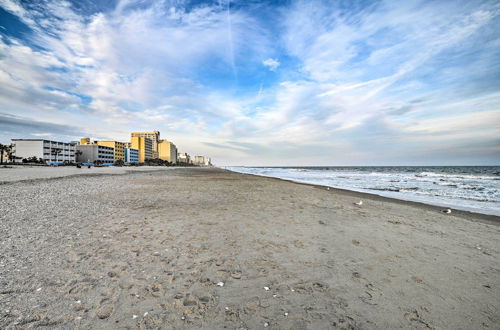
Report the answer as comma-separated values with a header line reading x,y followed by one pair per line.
x,y
190,301
286,313
447,211
221,284
146,314
266,325
478,247
134,317
327,188
275,295
78,301
266,288
236,275
105,311
39,289
183,317
292,290
359,203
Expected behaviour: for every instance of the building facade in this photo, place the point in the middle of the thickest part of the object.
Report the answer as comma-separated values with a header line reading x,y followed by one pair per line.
x,y
131,155
154,136
199,160
92,153
144,145
119,148
85,140
167,151
51,152
202,161
184,158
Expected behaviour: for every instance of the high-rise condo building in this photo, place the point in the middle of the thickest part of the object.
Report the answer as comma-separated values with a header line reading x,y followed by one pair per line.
x,y
144,145
167,151
153,136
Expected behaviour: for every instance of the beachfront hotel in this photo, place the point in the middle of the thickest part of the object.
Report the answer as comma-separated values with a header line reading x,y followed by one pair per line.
x,y
202,160
131,155
154,136
52,152
144,146
183,157
119,148
167,151
91,153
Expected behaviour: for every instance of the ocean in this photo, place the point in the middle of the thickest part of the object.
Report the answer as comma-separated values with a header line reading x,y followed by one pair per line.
x,y
469,188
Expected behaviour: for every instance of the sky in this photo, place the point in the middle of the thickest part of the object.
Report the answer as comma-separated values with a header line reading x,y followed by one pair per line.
x,y
260,82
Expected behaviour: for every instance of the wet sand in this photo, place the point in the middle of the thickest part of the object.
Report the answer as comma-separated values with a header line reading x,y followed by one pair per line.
x,y
193,248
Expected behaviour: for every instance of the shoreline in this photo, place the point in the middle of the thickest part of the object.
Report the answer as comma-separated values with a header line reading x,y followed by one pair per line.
x,y
211,248
487,216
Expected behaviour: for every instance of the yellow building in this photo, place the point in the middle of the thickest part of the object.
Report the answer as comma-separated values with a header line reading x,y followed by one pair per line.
x,y
167,151
144,145
85,141
154,136
118,146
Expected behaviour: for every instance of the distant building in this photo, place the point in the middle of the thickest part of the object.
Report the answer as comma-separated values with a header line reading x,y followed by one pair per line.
x,y
51,152
202,161
5,156
167,151
131,155
85,140
119,148
153,136
144,145
92,153
184,158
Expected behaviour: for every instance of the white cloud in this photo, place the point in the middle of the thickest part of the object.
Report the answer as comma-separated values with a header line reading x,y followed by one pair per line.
x,y
271,63
352,80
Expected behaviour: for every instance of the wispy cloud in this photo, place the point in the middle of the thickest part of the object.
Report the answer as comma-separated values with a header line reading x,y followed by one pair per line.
x,y
349,83
271,63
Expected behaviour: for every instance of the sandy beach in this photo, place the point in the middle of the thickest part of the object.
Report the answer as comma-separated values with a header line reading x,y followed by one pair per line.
x,y
204,248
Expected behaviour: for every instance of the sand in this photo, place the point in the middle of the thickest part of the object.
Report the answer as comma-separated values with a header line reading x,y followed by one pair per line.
x,y
193,248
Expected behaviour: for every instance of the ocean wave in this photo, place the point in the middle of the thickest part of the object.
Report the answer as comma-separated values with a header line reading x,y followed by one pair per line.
x,y
456,176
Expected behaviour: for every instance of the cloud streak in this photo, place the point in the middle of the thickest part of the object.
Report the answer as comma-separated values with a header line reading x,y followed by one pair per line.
x,y
337,84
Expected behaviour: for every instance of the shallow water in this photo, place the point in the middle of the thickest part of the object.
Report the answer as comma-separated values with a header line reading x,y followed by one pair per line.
x,y
470,188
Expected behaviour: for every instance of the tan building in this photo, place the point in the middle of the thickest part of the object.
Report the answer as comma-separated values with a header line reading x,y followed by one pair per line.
x,y
118,146
167,151
184,157
144,145
202,160
154,136
199,160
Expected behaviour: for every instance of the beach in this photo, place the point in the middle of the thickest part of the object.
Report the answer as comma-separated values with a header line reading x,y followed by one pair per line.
x,y
205,248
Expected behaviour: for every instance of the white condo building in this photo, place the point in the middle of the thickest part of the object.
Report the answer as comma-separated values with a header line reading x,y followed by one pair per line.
x,y
49,151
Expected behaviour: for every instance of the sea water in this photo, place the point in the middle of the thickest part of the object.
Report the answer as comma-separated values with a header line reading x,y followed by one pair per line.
x,y
470,188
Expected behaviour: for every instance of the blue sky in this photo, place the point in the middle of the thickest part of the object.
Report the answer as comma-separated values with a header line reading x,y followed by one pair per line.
x,y
260,82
